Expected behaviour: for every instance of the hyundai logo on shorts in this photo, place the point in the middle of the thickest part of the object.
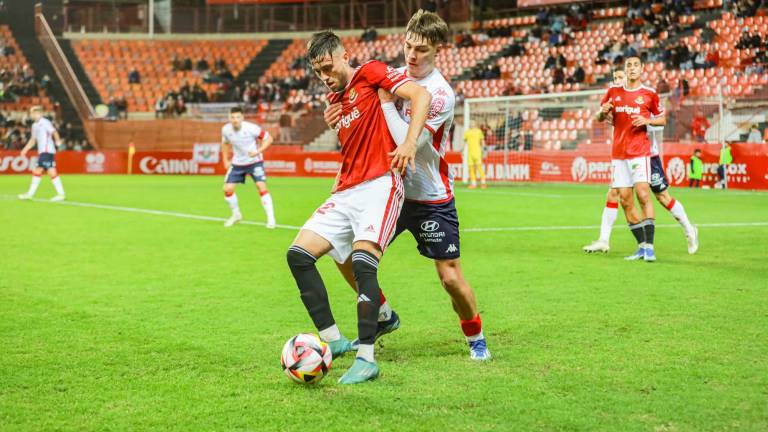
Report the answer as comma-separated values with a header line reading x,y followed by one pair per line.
x,y
429,226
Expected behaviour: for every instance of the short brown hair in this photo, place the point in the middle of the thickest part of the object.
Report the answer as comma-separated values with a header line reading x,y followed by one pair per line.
x,y
322,43
429,26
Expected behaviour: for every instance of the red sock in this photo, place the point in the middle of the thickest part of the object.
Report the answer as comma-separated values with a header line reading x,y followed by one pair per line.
x,y
381,295
262,193
614,205
472,327
671,204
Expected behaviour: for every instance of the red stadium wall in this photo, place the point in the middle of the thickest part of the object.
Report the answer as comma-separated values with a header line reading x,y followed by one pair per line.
x,y
748,171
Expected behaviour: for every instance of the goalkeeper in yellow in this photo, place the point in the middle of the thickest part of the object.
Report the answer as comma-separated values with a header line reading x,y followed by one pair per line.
x,y
475,140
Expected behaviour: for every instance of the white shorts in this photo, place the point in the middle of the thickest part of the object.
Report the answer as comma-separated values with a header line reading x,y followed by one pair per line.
x,y
367,211
626,172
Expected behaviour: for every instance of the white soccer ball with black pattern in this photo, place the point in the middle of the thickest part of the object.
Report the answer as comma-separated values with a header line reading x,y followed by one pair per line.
x,y
306,359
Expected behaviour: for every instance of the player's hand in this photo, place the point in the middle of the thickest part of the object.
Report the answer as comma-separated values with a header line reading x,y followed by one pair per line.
x,y
606,108
332,115
385,96
254,153
403,157
638,120
24,152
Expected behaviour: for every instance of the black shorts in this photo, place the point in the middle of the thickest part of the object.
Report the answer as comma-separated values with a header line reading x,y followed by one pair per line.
x,y
46,161
237,173
659,181
434,226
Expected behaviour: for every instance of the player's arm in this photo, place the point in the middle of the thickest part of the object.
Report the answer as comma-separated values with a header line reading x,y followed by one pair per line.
x,y
605,111
638,120
57,138
226,151
398,127
420,99
31,143
265,143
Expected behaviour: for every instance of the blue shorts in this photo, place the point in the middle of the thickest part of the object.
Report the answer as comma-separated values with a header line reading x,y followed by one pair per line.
x,y
434,226
659,181
237,173
46,161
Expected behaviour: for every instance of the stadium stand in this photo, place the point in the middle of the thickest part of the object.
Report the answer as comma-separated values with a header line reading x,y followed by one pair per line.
x,y
108,63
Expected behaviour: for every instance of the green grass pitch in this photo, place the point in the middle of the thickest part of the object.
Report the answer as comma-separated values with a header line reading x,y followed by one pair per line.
x,y
117,320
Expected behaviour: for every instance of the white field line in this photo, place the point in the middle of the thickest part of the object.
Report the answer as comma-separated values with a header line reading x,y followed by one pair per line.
x,y
294,228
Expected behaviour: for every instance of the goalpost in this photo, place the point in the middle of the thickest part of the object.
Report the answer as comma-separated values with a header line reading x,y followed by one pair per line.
x,y
516,126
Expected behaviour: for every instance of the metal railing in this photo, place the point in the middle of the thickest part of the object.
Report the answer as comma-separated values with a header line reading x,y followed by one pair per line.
x,y
62,67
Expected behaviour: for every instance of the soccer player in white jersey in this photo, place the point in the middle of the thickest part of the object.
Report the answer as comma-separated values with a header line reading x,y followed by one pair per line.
x,y
47,139
429,212
240,136
659,187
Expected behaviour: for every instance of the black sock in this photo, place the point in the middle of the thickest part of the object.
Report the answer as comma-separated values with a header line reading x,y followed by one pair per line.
x,y
649,229
311,286
638,231
365,266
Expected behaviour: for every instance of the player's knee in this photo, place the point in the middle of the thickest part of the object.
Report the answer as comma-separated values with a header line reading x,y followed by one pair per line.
x,y
298,257
364,263
450,276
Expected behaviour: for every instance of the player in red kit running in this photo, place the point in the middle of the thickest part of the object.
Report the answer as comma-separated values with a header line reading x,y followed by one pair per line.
x,y
633,107
360,217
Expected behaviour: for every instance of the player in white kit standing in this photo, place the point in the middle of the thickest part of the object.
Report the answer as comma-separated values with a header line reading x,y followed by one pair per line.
x,y
359,218
429,212
240,136
47,139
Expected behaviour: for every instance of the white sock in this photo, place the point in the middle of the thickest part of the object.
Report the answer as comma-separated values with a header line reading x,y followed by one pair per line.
x,y
266,202
232,201
678,212
330,334
607,221
385,312
475,337
57,185
33,186
365,352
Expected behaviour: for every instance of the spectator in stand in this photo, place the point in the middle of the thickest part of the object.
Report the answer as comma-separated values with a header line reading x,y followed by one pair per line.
x,y
558,76
755,137
369,35
134,77
112,112
180,107
713,57
122,107
699,126
161,106
551,60
662,87
176,63
202,65
186,64
578,75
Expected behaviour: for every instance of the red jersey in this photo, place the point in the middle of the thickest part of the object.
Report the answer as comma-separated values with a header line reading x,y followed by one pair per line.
x,y
362,130
630,141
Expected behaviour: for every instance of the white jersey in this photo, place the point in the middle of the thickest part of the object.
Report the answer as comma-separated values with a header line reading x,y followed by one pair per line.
x,y
655,134
432,182
243,141
42,132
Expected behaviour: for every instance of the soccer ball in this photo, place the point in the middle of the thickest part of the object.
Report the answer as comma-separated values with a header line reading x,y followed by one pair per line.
x,y
306,359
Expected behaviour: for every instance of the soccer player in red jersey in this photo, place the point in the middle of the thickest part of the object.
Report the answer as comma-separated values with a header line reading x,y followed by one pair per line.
x,y
659,187
429,212
360,217
633,108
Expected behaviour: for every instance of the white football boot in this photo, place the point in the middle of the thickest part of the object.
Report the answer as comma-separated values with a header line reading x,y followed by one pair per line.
x,y
597,246
58,198
235,218
693,241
